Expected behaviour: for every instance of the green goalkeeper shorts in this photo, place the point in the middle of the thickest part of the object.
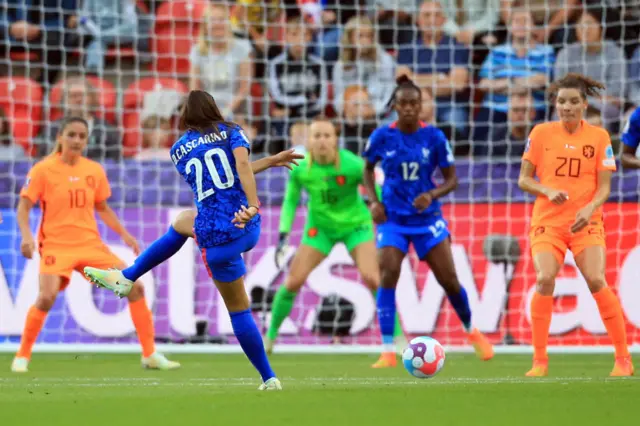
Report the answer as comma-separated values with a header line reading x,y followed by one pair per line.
x,y
323,239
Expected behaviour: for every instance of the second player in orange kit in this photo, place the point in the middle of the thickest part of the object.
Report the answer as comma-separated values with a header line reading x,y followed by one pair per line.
x,y
573,161
71,189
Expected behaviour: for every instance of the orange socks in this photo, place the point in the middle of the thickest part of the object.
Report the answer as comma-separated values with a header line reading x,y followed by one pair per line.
x,y
611,313
143,321
32,326
541,309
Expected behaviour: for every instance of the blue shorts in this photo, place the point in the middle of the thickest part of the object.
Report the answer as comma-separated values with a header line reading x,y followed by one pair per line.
x,y
224,262
423,239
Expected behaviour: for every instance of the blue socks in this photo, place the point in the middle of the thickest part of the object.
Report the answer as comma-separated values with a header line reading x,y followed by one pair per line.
x,y
161,249
386,303
247,333
460,303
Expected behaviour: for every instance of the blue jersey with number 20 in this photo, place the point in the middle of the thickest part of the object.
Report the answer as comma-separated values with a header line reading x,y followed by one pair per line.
x,y
408,162
206,162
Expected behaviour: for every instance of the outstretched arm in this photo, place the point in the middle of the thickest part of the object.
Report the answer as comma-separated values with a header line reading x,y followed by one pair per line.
x,y
286,159
110,219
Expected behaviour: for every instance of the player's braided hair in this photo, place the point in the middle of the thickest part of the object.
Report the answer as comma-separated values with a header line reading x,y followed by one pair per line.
x,y
403,82
586,85
57,148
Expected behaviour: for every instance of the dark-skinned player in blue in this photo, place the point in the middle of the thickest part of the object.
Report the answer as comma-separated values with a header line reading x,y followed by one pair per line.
x,y
409,152
631,141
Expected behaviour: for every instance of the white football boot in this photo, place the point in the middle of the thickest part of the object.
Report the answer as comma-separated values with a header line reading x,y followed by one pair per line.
x,y
271,384
111,279
20,365
158,361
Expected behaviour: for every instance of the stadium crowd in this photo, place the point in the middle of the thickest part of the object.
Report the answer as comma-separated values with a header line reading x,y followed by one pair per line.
x,y
272,65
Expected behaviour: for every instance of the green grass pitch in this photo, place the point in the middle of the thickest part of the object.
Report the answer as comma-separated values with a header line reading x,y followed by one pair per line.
x,y
327,390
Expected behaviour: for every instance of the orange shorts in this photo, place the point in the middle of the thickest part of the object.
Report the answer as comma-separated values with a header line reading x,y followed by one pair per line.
x,y
555,240
63,261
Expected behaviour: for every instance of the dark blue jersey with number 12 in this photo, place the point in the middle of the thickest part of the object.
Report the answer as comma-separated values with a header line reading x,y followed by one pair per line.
x,y
207,164
408,162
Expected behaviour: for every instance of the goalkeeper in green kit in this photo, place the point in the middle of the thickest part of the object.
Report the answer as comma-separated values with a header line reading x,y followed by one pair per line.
x,y
336,214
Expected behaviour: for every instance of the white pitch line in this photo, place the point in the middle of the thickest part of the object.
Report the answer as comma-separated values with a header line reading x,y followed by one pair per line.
x,y
299,382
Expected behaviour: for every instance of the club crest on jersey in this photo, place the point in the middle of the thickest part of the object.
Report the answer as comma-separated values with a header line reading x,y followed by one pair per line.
x,y
341,180
588,151
425,153
91,181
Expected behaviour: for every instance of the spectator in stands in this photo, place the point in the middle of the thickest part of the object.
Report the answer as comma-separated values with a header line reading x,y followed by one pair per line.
x,y
43,26
510,140
594,117
299,135
248,19
428,111
552,18
359,118
440,63
9,151
468,21
363,63
221,63
109,23
79,100
157,138
600,59
395,22
521,64
336,14
297,80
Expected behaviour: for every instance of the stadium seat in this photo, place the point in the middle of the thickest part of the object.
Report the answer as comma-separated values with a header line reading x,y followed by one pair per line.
x,y
107,99
175,31
133,98
21,99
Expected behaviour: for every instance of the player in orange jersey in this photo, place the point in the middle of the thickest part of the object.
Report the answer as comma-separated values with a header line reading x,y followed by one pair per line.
x,y
71,189
573,161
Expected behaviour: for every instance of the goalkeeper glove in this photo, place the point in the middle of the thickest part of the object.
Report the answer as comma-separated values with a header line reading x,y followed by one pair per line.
x,y
282,246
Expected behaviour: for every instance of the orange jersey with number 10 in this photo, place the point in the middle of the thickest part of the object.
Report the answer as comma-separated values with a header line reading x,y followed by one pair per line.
x,y
67,196
568,162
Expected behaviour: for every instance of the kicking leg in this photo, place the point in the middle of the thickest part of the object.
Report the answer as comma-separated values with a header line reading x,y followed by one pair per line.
x,y
122,281
440,260
305,261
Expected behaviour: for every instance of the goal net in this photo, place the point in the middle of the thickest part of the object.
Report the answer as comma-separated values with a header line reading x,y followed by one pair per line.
x,y
272,66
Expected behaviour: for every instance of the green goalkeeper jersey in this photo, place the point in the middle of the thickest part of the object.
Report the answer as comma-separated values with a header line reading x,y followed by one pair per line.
x,y
334,201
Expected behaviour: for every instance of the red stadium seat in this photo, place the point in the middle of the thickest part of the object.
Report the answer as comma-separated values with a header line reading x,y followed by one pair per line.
x,y
107,99
175,31
21,99
133,98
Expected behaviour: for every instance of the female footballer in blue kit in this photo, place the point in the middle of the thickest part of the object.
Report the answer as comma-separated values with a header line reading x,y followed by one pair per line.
x,y
213,158
409,151
631,141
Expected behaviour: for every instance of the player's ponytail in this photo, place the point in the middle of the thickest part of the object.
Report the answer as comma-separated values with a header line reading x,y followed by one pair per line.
x,y
201,113
403,82
585,85
57,147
